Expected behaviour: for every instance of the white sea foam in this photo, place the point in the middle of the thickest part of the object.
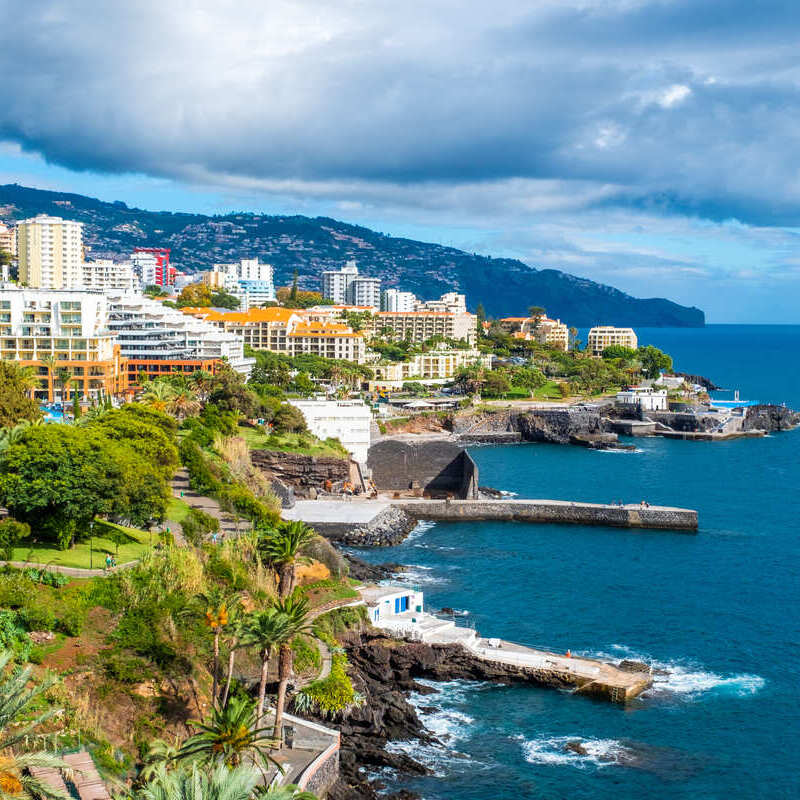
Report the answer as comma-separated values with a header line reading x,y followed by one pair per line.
x,y
417,574
441,715
687,679
553,750
612,450
420,529
504,493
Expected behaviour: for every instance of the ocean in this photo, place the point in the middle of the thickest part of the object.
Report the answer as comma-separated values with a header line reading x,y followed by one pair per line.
x,y
719,610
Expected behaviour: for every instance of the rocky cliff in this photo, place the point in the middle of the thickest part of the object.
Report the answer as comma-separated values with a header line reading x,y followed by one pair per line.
x,y
770,418
299,471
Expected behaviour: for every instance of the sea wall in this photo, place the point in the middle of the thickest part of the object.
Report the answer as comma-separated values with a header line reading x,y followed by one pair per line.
x,y
435,468
552,511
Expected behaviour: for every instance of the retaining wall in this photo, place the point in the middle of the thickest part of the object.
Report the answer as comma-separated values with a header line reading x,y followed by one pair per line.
x,y
434,467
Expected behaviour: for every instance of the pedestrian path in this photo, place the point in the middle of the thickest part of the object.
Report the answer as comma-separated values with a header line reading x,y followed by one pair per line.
x,y
228,524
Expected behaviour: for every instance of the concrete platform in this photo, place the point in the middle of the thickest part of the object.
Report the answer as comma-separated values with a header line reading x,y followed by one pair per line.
x,y
335,512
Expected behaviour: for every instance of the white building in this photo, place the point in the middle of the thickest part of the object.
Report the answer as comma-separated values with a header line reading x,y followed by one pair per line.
x,y
449,303
149,331
645,398
346,420
437,366
347,287
248,279
395,300
365,292
392,606
67,326
336,283
145,266
603,336
105,275
50,252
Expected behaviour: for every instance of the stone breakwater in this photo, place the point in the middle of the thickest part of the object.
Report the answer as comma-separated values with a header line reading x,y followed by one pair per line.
x,y
389,527
553,511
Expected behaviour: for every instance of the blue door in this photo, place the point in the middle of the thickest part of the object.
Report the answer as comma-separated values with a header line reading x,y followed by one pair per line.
x,y
400,604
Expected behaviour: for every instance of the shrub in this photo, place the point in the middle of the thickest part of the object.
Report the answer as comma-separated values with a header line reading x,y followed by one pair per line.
x,y
126,668
333,694
197,524
37,618
12,533
306,654
289,419
203,476
340,620
71,619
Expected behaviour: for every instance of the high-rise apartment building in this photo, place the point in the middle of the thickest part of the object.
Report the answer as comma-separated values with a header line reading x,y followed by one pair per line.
x,y
365,292
106,275
419,326
396,300
50,252
336,283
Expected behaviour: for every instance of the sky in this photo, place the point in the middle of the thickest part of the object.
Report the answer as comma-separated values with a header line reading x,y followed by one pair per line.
x,y
653,145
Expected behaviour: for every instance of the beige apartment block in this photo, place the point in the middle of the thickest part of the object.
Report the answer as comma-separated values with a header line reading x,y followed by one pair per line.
x,y
603,336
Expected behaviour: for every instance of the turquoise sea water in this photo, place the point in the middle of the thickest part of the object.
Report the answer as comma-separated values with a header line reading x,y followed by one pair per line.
x,y
720,610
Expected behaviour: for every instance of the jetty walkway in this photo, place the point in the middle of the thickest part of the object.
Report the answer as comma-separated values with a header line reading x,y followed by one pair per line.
x,y
553,511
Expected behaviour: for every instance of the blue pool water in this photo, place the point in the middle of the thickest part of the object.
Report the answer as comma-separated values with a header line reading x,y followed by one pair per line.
x,y
720,611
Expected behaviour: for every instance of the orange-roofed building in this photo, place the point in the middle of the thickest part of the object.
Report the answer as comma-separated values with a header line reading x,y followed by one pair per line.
x,y
552,332
288,331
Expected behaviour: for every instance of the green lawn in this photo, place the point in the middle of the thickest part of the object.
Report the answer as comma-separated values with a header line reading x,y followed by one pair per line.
x,y
550,391
177,509
133,543
305,444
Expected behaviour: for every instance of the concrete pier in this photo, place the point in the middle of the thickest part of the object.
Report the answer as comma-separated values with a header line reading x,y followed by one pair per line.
x,y
553,511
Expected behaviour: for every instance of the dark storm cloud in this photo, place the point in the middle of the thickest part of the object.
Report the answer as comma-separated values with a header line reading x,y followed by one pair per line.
x,y
686,107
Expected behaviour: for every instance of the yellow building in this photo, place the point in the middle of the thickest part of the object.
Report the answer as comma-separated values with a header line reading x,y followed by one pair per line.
x,y
419,326
8,239
603,336
435,365
551,332
50,253
288,331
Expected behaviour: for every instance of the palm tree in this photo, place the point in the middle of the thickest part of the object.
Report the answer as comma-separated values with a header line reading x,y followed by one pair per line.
x,y
235,630
25,377
231,735
265,630
196,783
9,436
283,547
160,755
183,404
50,362
16,704
295,613
64,378
201,381
158,394
215,607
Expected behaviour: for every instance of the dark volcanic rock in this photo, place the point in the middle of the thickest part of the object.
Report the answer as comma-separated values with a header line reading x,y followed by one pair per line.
x,y
706,383
770,418
364,571
559,426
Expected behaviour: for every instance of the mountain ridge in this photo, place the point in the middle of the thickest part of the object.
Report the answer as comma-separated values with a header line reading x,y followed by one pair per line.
x,y
505,286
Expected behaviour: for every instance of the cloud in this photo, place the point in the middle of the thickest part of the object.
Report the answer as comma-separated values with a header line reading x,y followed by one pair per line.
x,y
521,128
617,93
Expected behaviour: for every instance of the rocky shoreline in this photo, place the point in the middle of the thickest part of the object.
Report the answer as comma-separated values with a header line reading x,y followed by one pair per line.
x,y
385,671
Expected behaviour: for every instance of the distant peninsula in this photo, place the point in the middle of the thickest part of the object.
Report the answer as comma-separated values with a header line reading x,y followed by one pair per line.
x,y
505,286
